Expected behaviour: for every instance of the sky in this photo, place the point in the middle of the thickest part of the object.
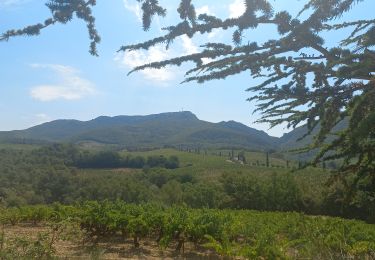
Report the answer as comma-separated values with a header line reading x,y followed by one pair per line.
x,y
53,76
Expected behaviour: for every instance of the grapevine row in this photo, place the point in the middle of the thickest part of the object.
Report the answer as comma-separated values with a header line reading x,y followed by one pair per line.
x,y
228,232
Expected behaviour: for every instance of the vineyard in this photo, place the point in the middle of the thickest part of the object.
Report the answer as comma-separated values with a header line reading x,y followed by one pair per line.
x,y
209,207
226,233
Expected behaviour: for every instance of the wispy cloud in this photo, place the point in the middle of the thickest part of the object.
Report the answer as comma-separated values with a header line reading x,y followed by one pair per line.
x,y
135,8
203,10
11,3
163,76
132,59
70,87
237,8
188,45
207,10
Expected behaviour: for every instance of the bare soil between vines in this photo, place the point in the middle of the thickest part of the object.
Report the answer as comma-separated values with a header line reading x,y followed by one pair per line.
x,y
111,248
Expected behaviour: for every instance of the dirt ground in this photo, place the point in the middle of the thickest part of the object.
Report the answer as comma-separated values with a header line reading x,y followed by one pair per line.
x,y
112,248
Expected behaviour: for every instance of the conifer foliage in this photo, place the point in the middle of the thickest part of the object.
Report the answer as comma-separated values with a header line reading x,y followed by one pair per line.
x,y
63,11
303,80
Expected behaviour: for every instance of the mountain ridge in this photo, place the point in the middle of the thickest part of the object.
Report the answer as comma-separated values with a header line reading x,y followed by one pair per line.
x,y
155,130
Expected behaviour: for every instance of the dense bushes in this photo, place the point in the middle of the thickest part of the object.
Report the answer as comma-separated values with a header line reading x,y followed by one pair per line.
x,y
280,192
111,159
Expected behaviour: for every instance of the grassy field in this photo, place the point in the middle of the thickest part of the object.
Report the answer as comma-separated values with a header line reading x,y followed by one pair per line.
x,y
212,158
211,165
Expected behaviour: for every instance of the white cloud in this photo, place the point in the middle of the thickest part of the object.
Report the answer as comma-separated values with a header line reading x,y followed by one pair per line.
x,y
11,3
213,34
134,8
71,86
188,45
203,10
133,59
206,10
190,48
237,9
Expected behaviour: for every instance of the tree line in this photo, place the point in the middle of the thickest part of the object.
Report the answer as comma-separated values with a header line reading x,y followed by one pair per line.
x,y
112,159
47,175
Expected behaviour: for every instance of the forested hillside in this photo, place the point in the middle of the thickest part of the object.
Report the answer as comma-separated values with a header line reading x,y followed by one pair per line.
x,y
181,129
210,178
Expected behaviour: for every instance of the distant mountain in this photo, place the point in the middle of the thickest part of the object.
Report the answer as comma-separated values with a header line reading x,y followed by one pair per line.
x,y
291,139
166,129
295,139
174,129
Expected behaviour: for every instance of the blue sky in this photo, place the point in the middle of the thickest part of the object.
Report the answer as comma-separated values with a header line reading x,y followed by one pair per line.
x,y
53,76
